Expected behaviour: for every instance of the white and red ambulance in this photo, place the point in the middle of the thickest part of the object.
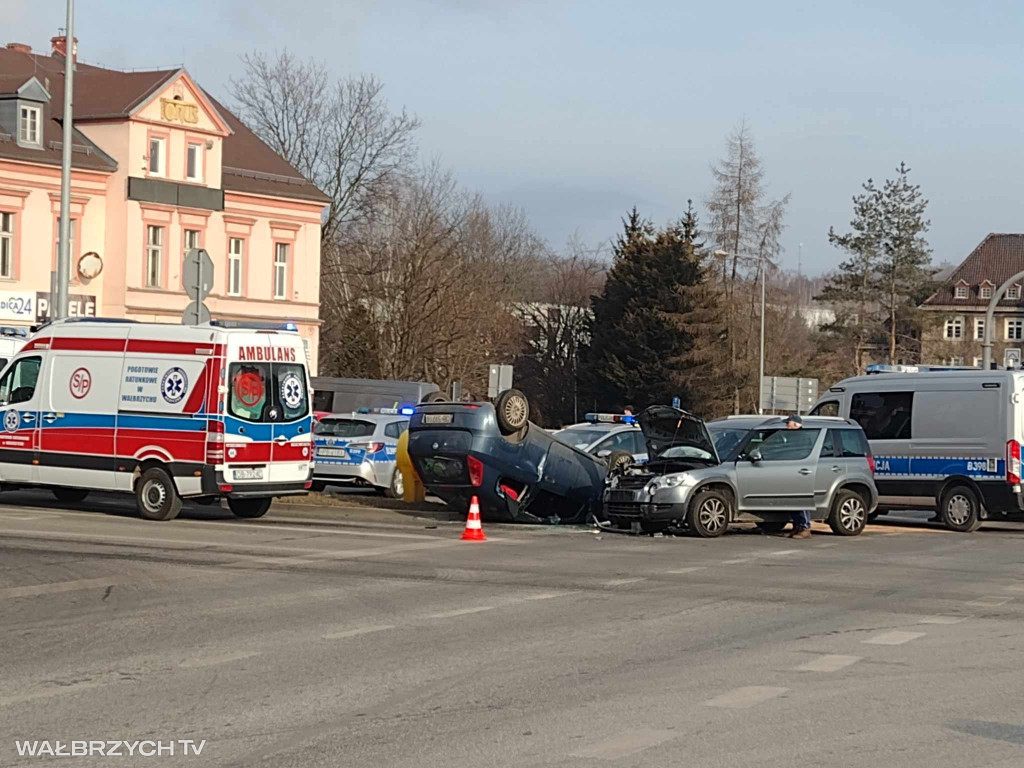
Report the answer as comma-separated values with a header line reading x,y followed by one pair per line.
x,y
167,412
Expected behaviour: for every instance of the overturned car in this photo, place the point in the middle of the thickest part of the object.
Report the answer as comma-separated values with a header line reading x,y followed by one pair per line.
x,y
703,477
517,470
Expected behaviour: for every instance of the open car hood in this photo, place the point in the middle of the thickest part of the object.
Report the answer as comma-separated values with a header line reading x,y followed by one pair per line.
x,y
665,427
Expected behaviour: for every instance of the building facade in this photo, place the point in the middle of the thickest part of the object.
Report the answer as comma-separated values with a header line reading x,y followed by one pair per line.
x,y
158,167
955,314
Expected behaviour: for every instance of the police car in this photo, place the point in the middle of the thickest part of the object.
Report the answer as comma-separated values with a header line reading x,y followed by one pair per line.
x,y
602,434
359,448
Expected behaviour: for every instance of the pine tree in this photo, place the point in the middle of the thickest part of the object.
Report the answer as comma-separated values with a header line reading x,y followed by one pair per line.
x,y
639,336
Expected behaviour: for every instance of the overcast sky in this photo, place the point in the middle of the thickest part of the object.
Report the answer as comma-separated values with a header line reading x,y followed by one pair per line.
x,y
576,111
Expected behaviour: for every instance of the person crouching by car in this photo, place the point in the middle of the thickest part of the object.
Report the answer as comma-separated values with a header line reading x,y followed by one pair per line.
x,y
801,520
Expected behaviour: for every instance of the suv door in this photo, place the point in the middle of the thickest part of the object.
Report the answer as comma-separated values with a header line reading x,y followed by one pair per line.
x,y
782,479
831,471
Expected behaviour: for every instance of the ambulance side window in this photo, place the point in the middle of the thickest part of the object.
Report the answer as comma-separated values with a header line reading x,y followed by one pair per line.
x,y
290,386
19,383
247,397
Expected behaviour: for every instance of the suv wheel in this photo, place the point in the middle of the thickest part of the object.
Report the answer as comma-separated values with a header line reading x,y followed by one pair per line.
x,y
960,509
513,411
709,513
849,514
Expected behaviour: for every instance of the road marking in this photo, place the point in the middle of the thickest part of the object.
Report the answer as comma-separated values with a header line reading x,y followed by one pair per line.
x,y
896,637
460,612
681,571
57,691
55,587
783,552
358,631
943,619
741,698
623,582
829,663
990,601
313,531
224,658
626,744
737,561
548,595
824,545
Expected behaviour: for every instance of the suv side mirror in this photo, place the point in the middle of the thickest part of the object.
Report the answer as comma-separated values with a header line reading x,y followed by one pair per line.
x,y
604,454
754,456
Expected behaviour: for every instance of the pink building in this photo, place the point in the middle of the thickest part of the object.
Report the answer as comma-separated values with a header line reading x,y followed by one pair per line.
x,y
158,167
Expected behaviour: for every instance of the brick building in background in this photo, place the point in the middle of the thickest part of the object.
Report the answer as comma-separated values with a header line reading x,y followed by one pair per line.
x,y
957,309
158,167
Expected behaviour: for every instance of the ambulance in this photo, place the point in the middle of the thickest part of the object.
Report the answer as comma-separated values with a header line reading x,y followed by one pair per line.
x,y
166,412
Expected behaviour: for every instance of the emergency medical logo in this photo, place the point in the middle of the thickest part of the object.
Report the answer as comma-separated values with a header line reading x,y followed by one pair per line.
x,y
174,385
12,420
291,390
80,383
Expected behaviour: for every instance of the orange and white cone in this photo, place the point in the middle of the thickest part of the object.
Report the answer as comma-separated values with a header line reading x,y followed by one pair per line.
x,y
474,531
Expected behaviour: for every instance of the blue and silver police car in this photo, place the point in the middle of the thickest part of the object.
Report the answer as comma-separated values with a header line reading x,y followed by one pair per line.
x,y
602,434
359,449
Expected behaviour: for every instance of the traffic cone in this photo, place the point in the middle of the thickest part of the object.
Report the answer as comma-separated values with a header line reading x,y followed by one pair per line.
x,y
474,531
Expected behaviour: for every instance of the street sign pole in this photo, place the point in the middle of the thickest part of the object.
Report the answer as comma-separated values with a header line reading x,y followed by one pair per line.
x,y
197,279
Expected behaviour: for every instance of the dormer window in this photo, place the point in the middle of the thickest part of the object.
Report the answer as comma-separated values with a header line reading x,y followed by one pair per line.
x,y
985,291
29,125
960,291
1013,292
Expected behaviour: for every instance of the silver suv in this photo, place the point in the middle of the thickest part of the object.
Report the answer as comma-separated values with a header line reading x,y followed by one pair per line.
x,y
743,469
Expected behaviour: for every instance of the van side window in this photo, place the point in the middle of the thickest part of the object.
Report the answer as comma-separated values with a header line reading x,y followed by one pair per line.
x,y
828,408
248,390
883,415
19,384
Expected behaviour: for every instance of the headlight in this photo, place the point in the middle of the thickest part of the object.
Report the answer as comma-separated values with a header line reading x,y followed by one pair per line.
x,y
668,481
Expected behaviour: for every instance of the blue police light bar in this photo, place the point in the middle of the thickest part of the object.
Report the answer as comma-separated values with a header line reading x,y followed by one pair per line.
x,y
406,410
610,418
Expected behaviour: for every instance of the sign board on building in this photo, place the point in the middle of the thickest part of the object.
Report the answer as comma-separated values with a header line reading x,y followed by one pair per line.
x,y
177,111
18,306
783,393
78,306
499,378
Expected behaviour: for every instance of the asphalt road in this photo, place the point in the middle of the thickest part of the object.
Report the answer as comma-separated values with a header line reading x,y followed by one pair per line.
x,y
298,642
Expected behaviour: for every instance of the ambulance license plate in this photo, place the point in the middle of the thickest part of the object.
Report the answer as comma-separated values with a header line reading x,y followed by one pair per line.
x,y
332,453
437,418
248,474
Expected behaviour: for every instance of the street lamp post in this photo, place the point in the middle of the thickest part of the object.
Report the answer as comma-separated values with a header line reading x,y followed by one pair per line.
x,y
986,344
760,378
59,309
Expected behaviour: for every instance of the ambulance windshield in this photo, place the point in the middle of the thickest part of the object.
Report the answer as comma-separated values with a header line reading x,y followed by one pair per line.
x,y
267,392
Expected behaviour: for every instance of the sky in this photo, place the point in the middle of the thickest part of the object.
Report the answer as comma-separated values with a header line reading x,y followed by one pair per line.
x,y
577,111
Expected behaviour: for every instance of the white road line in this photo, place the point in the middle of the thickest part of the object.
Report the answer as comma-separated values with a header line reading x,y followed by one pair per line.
x,y
681,571
6,701
741,698
943,619
548,595
896,637
783,552
460,612
990,601
358,631
829,663
312,531
737,561
55,587
623,582
223,658
625,744
824,545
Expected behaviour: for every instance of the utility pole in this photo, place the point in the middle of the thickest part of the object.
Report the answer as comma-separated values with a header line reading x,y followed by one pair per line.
x,y
59,301
760,378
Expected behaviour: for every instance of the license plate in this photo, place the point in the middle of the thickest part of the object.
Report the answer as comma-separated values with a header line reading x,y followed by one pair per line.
x,y
437,418
248,474
333,453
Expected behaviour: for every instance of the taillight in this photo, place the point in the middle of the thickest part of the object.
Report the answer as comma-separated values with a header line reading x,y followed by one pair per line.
x,y
871,463
368,447
215,442
1013,462
476,471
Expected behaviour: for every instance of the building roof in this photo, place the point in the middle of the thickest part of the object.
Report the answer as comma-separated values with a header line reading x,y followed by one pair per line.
x,y
997,258
250,165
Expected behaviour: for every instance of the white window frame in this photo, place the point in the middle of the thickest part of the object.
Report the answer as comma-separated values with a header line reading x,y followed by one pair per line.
x,y
979,329
280,286
1017,324
236,266
960,291
185,237
161,156
985,291
153,276
30,125
954,328
7,225
1013,292
198,175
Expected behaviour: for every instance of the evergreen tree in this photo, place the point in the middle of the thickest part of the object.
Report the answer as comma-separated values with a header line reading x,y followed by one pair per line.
x,y
639,337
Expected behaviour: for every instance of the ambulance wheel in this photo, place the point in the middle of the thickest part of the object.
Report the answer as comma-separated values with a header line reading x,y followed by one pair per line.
x,y
156,496
69,495
960,509
249,508
397,488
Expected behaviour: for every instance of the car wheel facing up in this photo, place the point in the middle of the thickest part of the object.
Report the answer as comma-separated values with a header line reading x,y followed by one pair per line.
x,y
709,513
848,515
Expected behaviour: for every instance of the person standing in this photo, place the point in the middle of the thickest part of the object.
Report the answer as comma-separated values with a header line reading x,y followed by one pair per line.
x,y
801,520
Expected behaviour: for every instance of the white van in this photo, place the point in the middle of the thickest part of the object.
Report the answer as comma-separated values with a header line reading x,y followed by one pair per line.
x,y
949,440
11,341
162,411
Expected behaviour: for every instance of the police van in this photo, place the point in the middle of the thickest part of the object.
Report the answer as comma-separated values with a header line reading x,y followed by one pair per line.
x,y
945,439
166,412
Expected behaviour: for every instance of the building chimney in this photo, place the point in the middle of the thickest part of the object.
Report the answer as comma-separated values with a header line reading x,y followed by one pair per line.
x,y
19,47
59,45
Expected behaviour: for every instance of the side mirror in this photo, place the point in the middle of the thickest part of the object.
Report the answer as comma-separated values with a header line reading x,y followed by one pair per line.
x,y
604,454
754,456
